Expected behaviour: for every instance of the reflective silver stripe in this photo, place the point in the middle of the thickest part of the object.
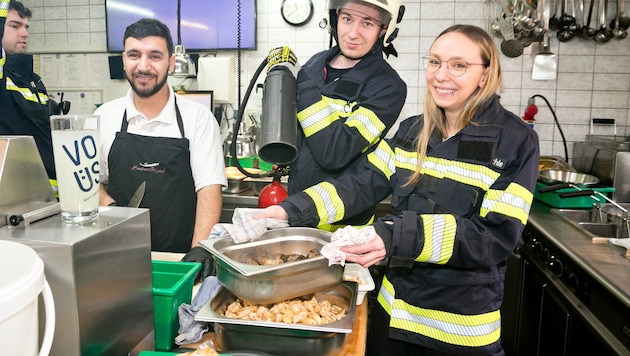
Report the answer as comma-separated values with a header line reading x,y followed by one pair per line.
x,y
406,159
328,204
515,201
456,329
4,8
470,174
383,159
320,114
368,124
25,92
448,327
439,232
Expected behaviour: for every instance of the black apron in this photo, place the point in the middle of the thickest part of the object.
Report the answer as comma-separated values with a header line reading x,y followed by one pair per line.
x,y
164,163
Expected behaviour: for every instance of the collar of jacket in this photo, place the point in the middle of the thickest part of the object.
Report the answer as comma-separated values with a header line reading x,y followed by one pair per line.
x,y
20,63
487,122
359,74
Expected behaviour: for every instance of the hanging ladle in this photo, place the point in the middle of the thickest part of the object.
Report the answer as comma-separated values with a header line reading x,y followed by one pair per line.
x,y
618,31
623,20
568,23
604,34
554,22
587,32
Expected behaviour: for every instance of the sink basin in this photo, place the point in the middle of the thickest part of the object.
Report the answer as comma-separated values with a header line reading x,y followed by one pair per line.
x,y
581,219
599,229
573,215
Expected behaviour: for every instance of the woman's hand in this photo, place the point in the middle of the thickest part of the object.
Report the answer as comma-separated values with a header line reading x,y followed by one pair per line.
x,y
366,254
274,212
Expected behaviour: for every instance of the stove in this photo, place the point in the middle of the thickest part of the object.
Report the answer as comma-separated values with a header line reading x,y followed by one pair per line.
x,y
557,306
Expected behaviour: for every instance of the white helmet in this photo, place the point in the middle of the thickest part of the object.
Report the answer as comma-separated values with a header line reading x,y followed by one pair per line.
x,y
392,10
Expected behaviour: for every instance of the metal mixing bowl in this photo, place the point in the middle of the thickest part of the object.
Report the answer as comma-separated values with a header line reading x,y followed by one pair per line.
x,y
275,283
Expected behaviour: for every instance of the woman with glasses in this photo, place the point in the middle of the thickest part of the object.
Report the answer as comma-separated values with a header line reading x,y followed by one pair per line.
x,y
461,178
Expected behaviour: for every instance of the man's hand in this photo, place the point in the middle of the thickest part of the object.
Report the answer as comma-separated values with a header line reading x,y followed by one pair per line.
x,y
273,212
283,56
201,255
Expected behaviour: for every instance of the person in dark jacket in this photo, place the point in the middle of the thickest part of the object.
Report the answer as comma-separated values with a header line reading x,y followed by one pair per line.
x,y
23,96
348,96
461,178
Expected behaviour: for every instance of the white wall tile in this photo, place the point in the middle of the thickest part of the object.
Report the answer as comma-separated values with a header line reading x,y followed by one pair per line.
x,y
593,79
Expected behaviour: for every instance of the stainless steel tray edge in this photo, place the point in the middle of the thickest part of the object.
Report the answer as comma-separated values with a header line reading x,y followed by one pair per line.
x,y
217,246
345,289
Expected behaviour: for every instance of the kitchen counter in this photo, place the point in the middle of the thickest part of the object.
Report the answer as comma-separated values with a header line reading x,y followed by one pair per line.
x,y
604,261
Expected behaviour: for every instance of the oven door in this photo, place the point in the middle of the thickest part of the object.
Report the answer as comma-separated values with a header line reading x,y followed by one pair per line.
x,y
553,321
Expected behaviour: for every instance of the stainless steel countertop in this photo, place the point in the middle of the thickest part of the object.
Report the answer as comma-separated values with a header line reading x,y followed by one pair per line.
x,y
602,260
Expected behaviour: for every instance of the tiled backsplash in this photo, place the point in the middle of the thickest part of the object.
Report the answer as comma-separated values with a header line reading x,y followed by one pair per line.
x,y
593,80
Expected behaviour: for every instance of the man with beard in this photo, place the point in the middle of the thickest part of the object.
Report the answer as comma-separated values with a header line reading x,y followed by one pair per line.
x,y
155,136
348,96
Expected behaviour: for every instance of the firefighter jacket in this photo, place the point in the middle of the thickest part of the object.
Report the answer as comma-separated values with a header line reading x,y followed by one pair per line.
x,y
343,120
448,236
25,109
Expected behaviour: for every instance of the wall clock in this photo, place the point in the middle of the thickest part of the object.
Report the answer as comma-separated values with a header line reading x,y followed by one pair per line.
x,y
296,12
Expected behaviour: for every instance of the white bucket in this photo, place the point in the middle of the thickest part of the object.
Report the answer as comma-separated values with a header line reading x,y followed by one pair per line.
x,y
21,281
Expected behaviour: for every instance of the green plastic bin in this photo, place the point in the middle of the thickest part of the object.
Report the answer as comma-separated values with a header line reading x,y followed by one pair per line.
x,y
172,286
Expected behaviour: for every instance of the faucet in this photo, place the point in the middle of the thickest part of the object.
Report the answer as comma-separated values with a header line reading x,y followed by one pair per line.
x,y
623,225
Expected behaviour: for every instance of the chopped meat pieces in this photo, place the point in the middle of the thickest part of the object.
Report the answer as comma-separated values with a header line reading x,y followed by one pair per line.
x,y
293,311
278,258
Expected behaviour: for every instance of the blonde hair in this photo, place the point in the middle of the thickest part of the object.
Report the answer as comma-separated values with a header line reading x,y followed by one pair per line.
x,y
434,117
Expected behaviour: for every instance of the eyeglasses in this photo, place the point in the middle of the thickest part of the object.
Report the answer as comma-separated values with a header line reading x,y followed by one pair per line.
x,y
456,66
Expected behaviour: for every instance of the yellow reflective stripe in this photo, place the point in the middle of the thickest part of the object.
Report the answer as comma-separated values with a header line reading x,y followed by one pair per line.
x,y
314,118
4,8
467,173
320,115
386,295
55,188
368,125
406,159
383,159
515,201
439,238
328,204
2,60
26,93
455,329
43,98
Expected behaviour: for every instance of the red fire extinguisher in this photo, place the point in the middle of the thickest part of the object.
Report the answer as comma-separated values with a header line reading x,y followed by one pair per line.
x,y
274,192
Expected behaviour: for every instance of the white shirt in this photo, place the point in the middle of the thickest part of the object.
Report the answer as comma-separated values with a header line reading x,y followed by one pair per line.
x,y
200,128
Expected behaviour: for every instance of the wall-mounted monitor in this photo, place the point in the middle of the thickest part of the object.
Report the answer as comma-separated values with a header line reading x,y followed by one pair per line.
x,y
205,24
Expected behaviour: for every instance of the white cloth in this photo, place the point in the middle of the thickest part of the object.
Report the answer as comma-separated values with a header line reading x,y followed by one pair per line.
x,y
244,228
200,128
624,242
347,236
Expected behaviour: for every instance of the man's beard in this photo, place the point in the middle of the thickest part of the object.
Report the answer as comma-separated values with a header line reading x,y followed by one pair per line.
x,y
146,92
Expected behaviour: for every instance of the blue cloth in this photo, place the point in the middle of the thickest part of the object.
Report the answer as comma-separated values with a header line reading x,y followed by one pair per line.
x,y
191,330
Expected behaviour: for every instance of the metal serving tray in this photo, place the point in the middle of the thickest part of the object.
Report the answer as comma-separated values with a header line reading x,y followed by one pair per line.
x,y
286,339
275,283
